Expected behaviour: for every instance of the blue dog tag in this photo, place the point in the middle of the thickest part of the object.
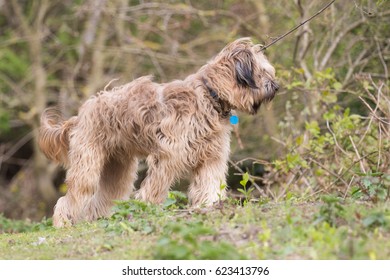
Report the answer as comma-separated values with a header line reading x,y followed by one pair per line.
x,y
234,119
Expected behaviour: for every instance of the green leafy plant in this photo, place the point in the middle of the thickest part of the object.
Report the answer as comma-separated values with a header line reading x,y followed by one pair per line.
x,y
245,190
17,226
129,217
184,240
332,212
376,219
13,226
328,146
176,199
375,187
126,209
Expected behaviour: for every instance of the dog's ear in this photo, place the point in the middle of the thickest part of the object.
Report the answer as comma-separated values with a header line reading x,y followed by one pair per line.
x,y
244,62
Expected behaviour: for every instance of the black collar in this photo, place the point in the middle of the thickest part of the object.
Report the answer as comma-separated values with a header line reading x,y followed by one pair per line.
x,y
219,105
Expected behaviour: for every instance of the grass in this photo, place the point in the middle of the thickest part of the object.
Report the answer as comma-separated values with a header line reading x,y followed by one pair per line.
x,y
329,228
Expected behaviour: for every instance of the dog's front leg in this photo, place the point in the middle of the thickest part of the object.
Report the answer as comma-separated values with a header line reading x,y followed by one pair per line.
x,y
208,183
160,176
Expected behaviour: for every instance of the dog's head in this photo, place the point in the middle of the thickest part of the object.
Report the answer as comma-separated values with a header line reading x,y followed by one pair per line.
x,y
242,76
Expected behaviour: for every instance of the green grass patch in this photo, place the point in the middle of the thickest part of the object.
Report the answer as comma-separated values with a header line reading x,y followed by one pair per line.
x,y
329,228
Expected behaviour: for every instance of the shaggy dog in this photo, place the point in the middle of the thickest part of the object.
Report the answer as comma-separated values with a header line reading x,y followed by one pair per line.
x,y
181,127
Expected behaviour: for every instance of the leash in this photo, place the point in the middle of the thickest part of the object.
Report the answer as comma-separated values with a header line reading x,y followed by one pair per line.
x,y
296,27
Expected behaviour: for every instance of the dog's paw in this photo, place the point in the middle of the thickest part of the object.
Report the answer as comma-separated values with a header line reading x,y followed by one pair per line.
x,y
62,216
60,221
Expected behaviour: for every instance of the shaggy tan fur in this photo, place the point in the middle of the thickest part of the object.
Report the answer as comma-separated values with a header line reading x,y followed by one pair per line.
x,y
181,127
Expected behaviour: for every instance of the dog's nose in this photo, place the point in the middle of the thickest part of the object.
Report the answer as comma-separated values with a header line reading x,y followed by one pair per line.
x,y
275,86
271,88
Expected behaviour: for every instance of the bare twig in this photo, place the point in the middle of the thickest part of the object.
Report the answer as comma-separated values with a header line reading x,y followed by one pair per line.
x,y
253,182
335,140
337,40
304,41
286,187
339,177
255,160
350,167
367,129
16,147
379,146
237,134
353,64
358,155
348,187
304,179
278,141
381,58
373,112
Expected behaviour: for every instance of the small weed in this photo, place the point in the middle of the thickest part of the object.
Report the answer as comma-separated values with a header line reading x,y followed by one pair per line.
x,y
175,200
222,187
130,216
13,226
374,187
192,240
123,210
332,212
244,190
17,226
45,224
377,219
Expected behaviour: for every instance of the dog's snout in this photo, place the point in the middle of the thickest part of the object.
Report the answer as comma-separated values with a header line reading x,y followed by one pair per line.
x,y
271,88
275,85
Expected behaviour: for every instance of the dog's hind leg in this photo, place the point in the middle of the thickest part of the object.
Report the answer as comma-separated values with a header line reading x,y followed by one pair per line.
x,y
85,166
116,183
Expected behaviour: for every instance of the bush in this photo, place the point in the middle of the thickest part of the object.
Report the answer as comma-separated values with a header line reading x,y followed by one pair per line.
x,y
331,148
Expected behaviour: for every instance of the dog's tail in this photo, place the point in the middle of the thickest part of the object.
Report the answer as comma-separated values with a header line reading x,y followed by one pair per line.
x,y
53,137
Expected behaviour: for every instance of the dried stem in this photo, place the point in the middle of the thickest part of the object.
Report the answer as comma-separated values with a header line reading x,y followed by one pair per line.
x,y
261,191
